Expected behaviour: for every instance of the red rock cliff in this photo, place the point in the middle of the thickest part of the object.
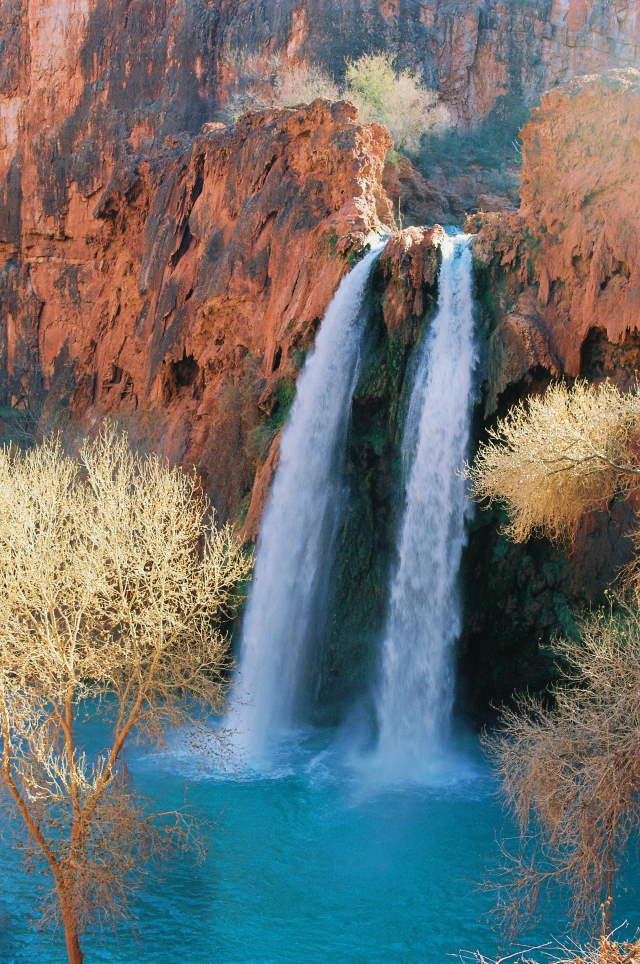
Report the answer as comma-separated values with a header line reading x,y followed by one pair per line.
x,y
564,272
87,84
180,299
559,292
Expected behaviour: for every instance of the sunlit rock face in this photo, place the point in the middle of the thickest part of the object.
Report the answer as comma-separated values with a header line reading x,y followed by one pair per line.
x,y
180,296
562,275
86,85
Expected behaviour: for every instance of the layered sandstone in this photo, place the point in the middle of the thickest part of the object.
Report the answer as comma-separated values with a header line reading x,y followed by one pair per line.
x,y
180,299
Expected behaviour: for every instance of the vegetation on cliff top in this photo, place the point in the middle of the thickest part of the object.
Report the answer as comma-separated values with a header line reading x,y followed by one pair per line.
x,y
383,95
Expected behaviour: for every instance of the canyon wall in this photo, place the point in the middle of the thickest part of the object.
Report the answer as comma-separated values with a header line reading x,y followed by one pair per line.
x,y
559,295
180,298
88,85
564,271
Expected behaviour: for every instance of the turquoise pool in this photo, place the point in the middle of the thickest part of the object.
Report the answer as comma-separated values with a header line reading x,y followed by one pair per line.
x,y
309,865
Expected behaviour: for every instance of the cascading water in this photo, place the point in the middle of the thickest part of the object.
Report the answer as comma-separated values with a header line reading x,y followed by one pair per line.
x,y
286,610
415,690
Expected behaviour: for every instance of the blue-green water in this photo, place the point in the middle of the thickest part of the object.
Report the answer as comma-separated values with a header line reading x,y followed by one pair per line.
x,y
310,865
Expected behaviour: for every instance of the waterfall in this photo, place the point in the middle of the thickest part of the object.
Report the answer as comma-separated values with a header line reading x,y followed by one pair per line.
x,y
414,695
286,610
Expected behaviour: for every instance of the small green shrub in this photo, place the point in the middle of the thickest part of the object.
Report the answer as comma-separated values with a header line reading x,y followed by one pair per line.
x,y
397,99
298,357
382,94
332,239
262,436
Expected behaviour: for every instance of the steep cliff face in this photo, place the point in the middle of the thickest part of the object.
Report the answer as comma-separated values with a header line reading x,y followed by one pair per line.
x,y
563,273
559,290
87,84
181,298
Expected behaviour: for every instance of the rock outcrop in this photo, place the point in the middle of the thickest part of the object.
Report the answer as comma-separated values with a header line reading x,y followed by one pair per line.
x,y
561,277
559,292
181,298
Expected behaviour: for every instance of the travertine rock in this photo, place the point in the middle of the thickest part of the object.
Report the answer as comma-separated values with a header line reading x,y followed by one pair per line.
x,y
565,269
180,298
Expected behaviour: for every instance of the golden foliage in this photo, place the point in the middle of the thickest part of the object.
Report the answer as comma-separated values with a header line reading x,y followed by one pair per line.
x,y
115,587
570,770
607,951
558,455
570,764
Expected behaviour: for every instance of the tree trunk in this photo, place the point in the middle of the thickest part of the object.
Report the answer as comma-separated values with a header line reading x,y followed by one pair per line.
x,y
74,953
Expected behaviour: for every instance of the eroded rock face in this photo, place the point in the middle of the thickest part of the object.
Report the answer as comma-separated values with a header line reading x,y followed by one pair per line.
x,y
559,294
562,274
181,298
86,85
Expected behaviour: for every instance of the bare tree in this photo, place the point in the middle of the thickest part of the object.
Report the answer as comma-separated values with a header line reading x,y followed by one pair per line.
x,y
558,455
115,588
608,949
570,764
570,771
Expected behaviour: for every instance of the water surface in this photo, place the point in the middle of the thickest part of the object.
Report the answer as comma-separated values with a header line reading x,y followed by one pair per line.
x,y
308,865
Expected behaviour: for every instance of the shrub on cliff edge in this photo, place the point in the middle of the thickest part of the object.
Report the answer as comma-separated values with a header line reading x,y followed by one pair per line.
x,y
396,99
382,94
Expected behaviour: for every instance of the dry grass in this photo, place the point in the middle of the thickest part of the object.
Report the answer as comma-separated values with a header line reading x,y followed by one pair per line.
x,y
606,950
272,82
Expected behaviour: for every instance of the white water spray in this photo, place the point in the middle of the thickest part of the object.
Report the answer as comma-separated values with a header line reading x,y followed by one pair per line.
x,y
415,692
286,611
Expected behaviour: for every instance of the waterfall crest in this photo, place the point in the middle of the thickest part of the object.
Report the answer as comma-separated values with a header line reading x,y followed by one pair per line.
x,y
414,696
286,610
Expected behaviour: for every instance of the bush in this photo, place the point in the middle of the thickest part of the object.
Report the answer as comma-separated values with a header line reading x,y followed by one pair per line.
x,y
606,950
396,99
570,764
301,84
382,94
570,771
115,591
272,83
559,455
